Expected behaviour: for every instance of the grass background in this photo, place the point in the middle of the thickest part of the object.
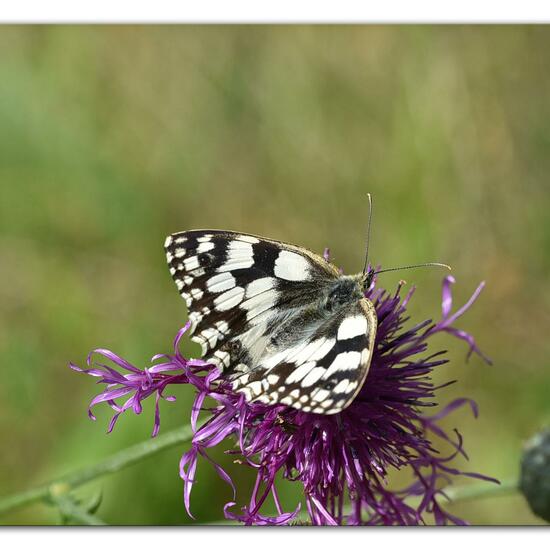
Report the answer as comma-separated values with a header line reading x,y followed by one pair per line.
x,y
113,137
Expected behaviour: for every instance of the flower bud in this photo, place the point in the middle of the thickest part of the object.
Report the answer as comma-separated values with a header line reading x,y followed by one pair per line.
x,y
535,474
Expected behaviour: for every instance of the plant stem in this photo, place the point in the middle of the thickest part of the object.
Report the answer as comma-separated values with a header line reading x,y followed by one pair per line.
x,y
117,462
69,509
480,490
456,493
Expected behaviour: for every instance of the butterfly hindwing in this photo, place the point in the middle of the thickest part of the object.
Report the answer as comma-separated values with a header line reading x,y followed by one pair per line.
x,y
321,374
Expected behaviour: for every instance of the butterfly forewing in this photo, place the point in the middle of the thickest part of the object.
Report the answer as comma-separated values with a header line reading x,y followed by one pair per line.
x,y
254,304
228,280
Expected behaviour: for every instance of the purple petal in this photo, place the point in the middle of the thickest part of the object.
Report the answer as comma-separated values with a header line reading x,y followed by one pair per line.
x,y
467,305
189,459
447,296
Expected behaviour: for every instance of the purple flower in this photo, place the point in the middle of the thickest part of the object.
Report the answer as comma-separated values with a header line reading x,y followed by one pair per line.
x,y
342,461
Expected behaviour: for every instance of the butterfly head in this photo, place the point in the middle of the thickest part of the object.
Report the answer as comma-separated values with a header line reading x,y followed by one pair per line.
x,y
367,278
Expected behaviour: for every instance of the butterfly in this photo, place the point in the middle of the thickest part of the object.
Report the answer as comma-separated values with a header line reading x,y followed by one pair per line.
x,y
281,322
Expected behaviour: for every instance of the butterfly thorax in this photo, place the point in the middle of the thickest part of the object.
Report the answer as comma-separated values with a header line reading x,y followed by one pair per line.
x,y
313,317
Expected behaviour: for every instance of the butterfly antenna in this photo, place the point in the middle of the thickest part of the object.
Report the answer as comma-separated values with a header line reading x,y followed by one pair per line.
x,y
429,264
368,236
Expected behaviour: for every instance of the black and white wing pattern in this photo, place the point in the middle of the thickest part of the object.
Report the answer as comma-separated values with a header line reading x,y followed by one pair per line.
x,y
321,373
263,312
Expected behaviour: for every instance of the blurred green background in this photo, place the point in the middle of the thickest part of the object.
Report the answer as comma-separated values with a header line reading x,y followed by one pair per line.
x,y
113,137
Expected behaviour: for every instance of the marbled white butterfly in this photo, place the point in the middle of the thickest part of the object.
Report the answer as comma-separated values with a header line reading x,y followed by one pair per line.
x,y
282,322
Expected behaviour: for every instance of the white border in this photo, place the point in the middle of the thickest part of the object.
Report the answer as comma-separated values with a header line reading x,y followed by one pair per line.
x,y
278,11
237,538
258,11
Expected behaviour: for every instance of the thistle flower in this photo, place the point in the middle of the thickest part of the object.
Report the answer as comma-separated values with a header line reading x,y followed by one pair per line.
x,y
342,461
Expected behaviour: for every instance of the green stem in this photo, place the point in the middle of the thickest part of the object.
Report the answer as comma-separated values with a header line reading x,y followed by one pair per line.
x,y
480,490
70,510
117,462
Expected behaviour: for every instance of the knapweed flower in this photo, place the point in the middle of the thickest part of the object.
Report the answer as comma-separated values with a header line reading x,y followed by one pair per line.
x,y
342,461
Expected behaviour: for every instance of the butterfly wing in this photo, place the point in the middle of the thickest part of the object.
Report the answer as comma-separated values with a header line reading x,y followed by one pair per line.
x,y
237,286
322,373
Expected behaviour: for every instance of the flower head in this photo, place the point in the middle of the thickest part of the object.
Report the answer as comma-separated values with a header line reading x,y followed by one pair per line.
x,y
342,461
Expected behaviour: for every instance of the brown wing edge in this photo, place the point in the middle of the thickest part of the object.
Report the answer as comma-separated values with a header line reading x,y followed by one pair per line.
x,y
370,313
